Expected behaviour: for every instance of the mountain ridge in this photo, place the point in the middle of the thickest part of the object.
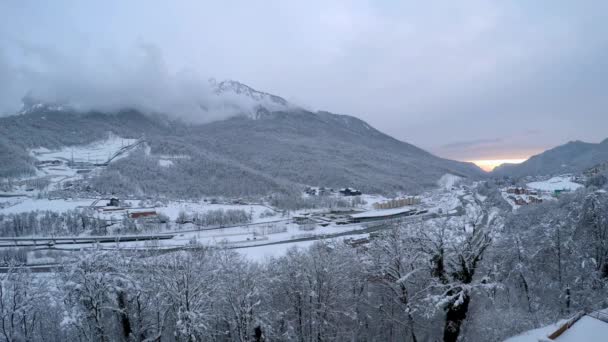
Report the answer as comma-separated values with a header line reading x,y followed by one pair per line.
x,y
571,157
244,154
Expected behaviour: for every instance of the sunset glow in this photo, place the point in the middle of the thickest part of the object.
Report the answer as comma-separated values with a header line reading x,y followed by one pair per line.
x,y
490,164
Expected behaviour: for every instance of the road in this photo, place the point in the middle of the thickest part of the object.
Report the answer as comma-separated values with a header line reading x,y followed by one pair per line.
x,y
66,240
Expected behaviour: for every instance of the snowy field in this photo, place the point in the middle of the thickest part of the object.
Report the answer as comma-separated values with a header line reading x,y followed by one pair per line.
x,y
96,152
263,253
173,209
555,183
56,169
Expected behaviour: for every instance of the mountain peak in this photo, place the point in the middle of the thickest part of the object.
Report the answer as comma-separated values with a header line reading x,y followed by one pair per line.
x,y
253,102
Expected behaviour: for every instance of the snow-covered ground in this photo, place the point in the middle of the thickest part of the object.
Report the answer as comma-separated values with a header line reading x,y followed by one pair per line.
x,y
60,167
263,253
96,152
173,209
555,183
25,204
448,181
270,233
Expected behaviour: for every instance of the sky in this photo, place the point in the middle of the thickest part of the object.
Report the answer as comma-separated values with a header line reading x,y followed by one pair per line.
x,y
467,80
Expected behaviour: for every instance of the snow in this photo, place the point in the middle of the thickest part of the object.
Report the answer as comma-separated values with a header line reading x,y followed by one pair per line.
x,y
536,335
96,152
165,162
58,205
57,165
586,329
263,253
380,213
555,183
172,209
448,180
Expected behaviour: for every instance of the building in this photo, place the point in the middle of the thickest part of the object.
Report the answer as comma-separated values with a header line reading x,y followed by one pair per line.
x,y
142,214
310,191
535,200
520,201
322,191
350,192
521,191
302,220
356,242
376,215
114,202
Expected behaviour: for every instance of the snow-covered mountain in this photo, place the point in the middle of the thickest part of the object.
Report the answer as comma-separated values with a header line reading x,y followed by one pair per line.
x,y
575,156
246,100
272,146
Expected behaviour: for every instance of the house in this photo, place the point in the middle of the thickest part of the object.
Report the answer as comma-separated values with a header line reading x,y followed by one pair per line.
x,y
310,191
325,191
350,192
142,214
302,220
520,201
353,242
375,215
534,199
587,327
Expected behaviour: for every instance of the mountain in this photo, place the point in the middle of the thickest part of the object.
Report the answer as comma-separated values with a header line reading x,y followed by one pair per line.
x,y
239,98
573,157
273,149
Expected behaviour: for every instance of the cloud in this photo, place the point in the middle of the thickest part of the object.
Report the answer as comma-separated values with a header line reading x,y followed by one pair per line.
x,y
430,73
108,80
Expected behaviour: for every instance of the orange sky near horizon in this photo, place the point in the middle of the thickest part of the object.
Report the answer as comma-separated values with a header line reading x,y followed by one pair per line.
x,y
489,164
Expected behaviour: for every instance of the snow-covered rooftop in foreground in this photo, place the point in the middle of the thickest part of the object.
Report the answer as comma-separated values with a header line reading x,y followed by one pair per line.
x,y
587,329
536,335
555,183
592,327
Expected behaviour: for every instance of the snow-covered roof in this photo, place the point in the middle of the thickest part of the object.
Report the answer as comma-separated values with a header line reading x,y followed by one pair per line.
x,y
380,213
591,327
588,329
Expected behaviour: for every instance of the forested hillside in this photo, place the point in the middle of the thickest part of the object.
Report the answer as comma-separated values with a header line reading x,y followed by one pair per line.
x,y
573,157
240,156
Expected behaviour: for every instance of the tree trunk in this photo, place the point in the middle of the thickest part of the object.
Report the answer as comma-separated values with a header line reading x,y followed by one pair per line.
x,y
455,316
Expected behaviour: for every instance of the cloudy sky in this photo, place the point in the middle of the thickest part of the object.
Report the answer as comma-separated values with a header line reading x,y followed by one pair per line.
x,y
467,80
